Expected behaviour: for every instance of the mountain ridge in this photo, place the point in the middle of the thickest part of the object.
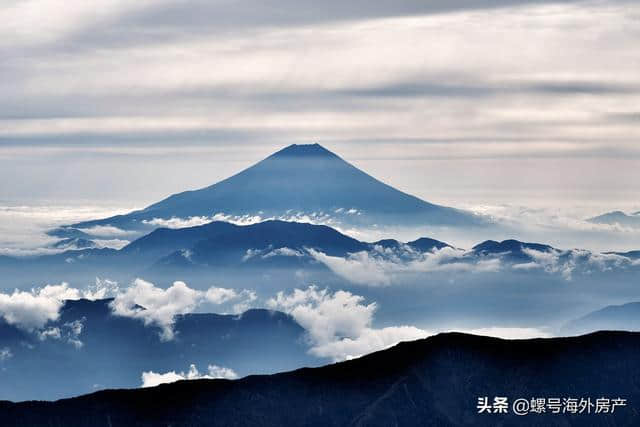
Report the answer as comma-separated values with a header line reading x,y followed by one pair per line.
x,y
113,350
434,381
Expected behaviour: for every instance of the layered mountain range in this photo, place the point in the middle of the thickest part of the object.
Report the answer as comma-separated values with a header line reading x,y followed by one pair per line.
x,y
283,245
90,347
438,381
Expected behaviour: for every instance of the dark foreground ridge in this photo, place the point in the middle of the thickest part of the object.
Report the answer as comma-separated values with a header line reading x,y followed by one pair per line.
x,y
430,382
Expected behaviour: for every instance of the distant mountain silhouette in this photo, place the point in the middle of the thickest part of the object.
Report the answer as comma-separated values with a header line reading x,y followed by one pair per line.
x,y
299,178
425,244
625,317
432,382
281,247
68,233
116,350
224,244
619,218
217,245
74,243
512,250
236,245
631,254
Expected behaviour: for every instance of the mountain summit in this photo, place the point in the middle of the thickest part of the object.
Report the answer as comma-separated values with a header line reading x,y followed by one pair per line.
x,y
304,150
300,180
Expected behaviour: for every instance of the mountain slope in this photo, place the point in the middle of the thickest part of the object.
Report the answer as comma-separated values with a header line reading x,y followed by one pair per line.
x,y
94,349
618,218
436,382
625,317
512,250
299,179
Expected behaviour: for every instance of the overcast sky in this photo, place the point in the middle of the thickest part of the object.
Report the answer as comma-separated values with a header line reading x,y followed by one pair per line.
x,y
460,102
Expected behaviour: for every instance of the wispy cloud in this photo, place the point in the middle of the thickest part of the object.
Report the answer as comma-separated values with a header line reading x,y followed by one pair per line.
x,y
152,379
376,268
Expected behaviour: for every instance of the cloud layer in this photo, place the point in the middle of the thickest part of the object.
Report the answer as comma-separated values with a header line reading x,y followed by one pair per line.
x,y
489,82
30,310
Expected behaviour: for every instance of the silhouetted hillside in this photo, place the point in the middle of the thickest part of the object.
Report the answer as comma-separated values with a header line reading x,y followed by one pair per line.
x,y
430,382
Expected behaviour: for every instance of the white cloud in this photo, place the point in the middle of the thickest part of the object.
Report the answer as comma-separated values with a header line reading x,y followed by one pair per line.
x,y
28,252
339,324
159,305
360,267
5,353
283,252
270,252
42,21
69,332
384,266
220,295
510,333
247,219
176,222
23,228
192,221
566,263
152,379
101,289
246,300
325,315
156,306
369,340
111,243
52,332
107,231
216,371
32,310
73,331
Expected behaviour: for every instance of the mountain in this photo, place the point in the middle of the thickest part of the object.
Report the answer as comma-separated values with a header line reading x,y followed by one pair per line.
x,y
432,382
634,255
425,244
269,239
68,233
164,241
90,348
618,218
191,253
74,243
512,250
299,179
625,317
224,244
